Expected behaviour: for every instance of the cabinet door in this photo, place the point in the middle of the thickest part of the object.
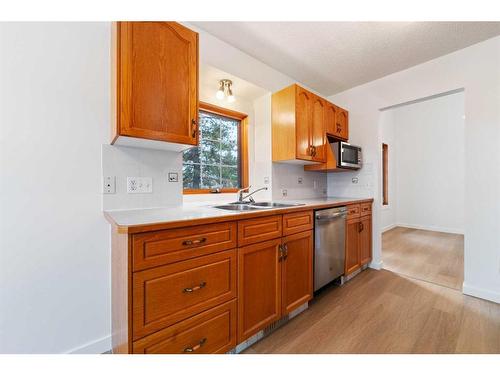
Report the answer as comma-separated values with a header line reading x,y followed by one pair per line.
x,y
303,114
352,261
158,81
330,119
342,123
297,270
259,287
365,239
318,133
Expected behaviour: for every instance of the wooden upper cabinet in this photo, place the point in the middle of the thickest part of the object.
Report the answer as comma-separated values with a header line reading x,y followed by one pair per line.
x,y
298,126
318,132
342,124
303,123
156,77
336,122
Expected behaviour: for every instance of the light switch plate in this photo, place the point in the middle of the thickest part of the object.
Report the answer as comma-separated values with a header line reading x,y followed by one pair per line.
x,y
109,185
138,185
173,177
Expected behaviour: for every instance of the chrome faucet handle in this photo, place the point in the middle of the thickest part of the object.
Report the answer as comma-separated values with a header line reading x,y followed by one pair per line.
x,y
240,192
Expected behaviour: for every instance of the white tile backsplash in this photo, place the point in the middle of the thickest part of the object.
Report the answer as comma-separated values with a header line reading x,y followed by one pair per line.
x,y
286,176
123,162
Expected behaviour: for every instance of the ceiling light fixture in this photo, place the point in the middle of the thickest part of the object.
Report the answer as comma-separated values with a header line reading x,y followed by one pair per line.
x,y
225,90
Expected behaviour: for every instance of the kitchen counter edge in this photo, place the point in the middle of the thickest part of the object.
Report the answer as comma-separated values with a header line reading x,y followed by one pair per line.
x,y
170,224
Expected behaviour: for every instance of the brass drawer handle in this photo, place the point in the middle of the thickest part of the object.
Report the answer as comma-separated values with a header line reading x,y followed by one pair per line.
x,y
361,227
285,253
194,242
280,252
191,349
195,288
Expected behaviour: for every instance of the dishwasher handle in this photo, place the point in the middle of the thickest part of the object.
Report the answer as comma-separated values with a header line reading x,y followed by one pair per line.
x,y
330,217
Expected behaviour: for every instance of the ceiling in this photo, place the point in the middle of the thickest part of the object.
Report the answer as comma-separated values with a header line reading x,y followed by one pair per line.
x,y
334,56
209,84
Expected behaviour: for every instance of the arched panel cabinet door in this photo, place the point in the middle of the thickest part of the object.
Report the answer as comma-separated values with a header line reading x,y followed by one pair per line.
x,y
157,82
304,114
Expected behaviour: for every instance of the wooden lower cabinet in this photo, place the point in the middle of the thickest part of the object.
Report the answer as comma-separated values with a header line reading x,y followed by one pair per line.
x,y
274,278
352,259
259,287
297,271
365,240
358,239
213,331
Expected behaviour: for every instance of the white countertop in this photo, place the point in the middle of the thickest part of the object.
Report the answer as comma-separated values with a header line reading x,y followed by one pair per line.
x,y
202,210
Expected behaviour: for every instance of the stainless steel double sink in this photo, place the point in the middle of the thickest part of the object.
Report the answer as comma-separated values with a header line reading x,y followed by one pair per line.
x,y
236,206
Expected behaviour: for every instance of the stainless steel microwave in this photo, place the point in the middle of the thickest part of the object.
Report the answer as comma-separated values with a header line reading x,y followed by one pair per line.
x,y
347,155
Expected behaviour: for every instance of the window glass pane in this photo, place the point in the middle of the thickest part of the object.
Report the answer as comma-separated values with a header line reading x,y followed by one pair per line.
x,y
229,131
209,126
210,176
210,152
230,178
229,154
192,155
215,162
191,176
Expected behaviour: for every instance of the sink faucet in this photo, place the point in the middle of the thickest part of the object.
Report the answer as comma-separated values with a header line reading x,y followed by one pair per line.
x,y
241,197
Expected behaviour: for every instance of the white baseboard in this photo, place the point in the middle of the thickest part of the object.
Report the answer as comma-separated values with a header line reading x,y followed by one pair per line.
x,y
376,265
94,347
431,228
487,294
389,227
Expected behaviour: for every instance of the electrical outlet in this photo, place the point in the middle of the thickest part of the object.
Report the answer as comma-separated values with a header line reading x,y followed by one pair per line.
x,y
299,180
173,177
266,180
109,185
284,193
137,185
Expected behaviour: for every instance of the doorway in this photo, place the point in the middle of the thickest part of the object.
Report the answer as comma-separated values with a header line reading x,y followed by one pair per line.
x,y
423,189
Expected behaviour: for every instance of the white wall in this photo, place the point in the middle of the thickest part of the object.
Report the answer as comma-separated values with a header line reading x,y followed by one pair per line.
x,y
427,157
388,213
54,241
477,70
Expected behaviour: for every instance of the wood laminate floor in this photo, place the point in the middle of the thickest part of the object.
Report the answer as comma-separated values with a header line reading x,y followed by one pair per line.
x,y
383,312
430,256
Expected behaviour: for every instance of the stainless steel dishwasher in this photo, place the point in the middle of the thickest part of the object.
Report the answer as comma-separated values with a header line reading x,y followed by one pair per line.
x,y
329,245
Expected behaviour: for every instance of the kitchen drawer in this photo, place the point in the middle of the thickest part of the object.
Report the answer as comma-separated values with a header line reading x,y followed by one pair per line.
x,y
165,295
353,211
297,222
172,245
366,209
210,332
257,230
